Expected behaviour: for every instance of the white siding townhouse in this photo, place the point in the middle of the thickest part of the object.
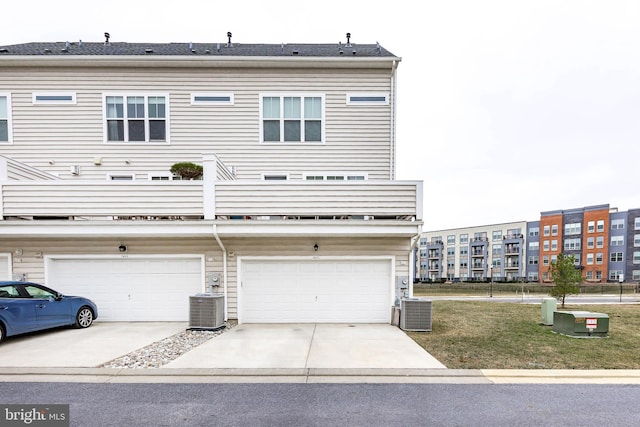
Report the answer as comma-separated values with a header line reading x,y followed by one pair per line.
x,y
298,216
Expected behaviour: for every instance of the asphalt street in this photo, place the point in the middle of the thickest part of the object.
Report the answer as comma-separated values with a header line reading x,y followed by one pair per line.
x,y
335,404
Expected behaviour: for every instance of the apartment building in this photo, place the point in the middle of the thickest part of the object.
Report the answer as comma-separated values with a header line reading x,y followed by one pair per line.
x,y
604,242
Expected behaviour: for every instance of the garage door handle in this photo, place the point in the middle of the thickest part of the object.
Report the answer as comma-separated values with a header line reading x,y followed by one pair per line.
x,y
41,306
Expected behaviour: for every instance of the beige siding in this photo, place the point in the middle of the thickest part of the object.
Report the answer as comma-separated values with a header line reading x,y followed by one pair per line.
x,y
31,261
10,169
54,137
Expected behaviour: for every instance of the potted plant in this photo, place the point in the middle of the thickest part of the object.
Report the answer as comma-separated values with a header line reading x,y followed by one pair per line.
x,y
187,170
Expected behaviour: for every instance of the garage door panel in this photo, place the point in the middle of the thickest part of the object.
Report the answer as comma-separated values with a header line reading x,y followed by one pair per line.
x,y
337,291
131,289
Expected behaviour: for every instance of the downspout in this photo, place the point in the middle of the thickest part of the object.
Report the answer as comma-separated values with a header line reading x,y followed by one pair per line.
x,y
392,165
412,261
224,271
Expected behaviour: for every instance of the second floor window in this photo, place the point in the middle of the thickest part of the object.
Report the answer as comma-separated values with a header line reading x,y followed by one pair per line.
x,y
4,118
292,118
139,118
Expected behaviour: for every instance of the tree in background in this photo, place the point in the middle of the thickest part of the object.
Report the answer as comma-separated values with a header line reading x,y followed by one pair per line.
x,y
565,276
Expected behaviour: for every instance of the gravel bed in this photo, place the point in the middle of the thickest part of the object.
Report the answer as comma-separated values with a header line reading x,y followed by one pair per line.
x,y
162,352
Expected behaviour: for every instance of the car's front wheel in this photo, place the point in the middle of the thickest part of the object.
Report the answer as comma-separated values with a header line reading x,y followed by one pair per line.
x,y
2,332
84,318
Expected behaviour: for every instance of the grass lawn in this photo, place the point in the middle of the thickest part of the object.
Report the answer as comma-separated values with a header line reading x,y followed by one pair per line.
x,y
493,335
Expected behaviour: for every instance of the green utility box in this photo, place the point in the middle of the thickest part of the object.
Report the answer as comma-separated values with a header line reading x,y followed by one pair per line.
x,y
549,306
581,323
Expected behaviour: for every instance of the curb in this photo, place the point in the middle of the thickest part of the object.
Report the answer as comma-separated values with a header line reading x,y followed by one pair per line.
x,y
318,375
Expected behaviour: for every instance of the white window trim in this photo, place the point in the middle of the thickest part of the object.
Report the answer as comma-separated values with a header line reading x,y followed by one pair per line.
x,y
351,101
229,95
146,96
281,95
160,175
112,175
9,120
37,101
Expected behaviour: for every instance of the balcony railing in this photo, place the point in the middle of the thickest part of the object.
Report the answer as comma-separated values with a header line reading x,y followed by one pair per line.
x,y
222,200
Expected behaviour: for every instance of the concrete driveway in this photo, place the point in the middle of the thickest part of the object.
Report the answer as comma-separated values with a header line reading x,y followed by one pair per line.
x,y
330,346
79,348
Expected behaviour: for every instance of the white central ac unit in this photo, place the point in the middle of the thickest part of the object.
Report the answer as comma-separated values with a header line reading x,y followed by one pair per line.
x,y
415,315
206,311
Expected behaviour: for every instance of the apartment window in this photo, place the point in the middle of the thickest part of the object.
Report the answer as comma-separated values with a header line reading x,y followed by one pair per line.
x,y
212,99
636,257
334,177
599,258
292,118
545,245
54,98
617,224
451,252
589,259
571,229
423,241
635,275
615,274
616,257
598,274
600,225
572,244
546,230
451,239
514,232
590,243
591,226
534,246
589,275
464,263
532,276
545,275
545,260
497,235
576,259
636,223
275,177
367,99
464,251
496,262
136,118
496,250
5,117
636,241
533,260
554,230
534,231
451,264
464,239
600,242
554,245
617,240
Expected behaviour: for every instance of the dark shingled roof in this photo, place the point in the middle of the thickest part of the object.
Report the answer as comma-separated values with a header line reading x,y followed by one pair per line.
x,y
192,49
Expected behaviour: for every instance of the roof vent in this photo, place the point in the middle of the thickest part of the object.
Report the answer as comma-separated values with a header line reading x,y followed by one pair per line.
x,y
378,47
4,50
190,46
80,43
295,52
107,36
354,52
348,39
47,50
218,47
207,51
229,36
148,50
282,47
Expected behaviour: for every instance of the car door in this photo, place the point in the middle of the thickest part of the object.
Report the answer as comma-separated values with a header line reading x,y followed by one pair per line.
x,y
50,310
17,311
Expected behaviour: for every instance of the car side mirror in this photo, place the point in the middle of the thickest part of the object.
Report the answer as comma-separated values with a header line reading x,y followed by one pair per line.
x,y
59,297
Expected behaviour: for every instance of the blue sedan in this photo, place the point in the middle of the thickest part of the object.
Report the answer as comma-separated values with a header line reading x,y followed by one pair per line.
x,y
27,307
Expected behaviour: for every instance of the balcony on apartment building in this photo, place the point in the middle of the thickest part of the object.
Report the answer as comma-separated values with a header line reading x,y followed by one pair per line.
x,y
218,196
477,251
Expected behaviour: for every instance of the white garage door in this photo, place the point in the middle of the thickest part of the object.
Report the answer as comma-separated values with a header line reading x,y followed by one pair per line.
x,y
131,289
315,291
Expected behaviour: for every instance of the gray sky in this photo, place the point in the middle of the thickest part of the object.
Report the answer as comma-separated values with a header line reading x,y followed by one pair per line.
x,y
506,108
